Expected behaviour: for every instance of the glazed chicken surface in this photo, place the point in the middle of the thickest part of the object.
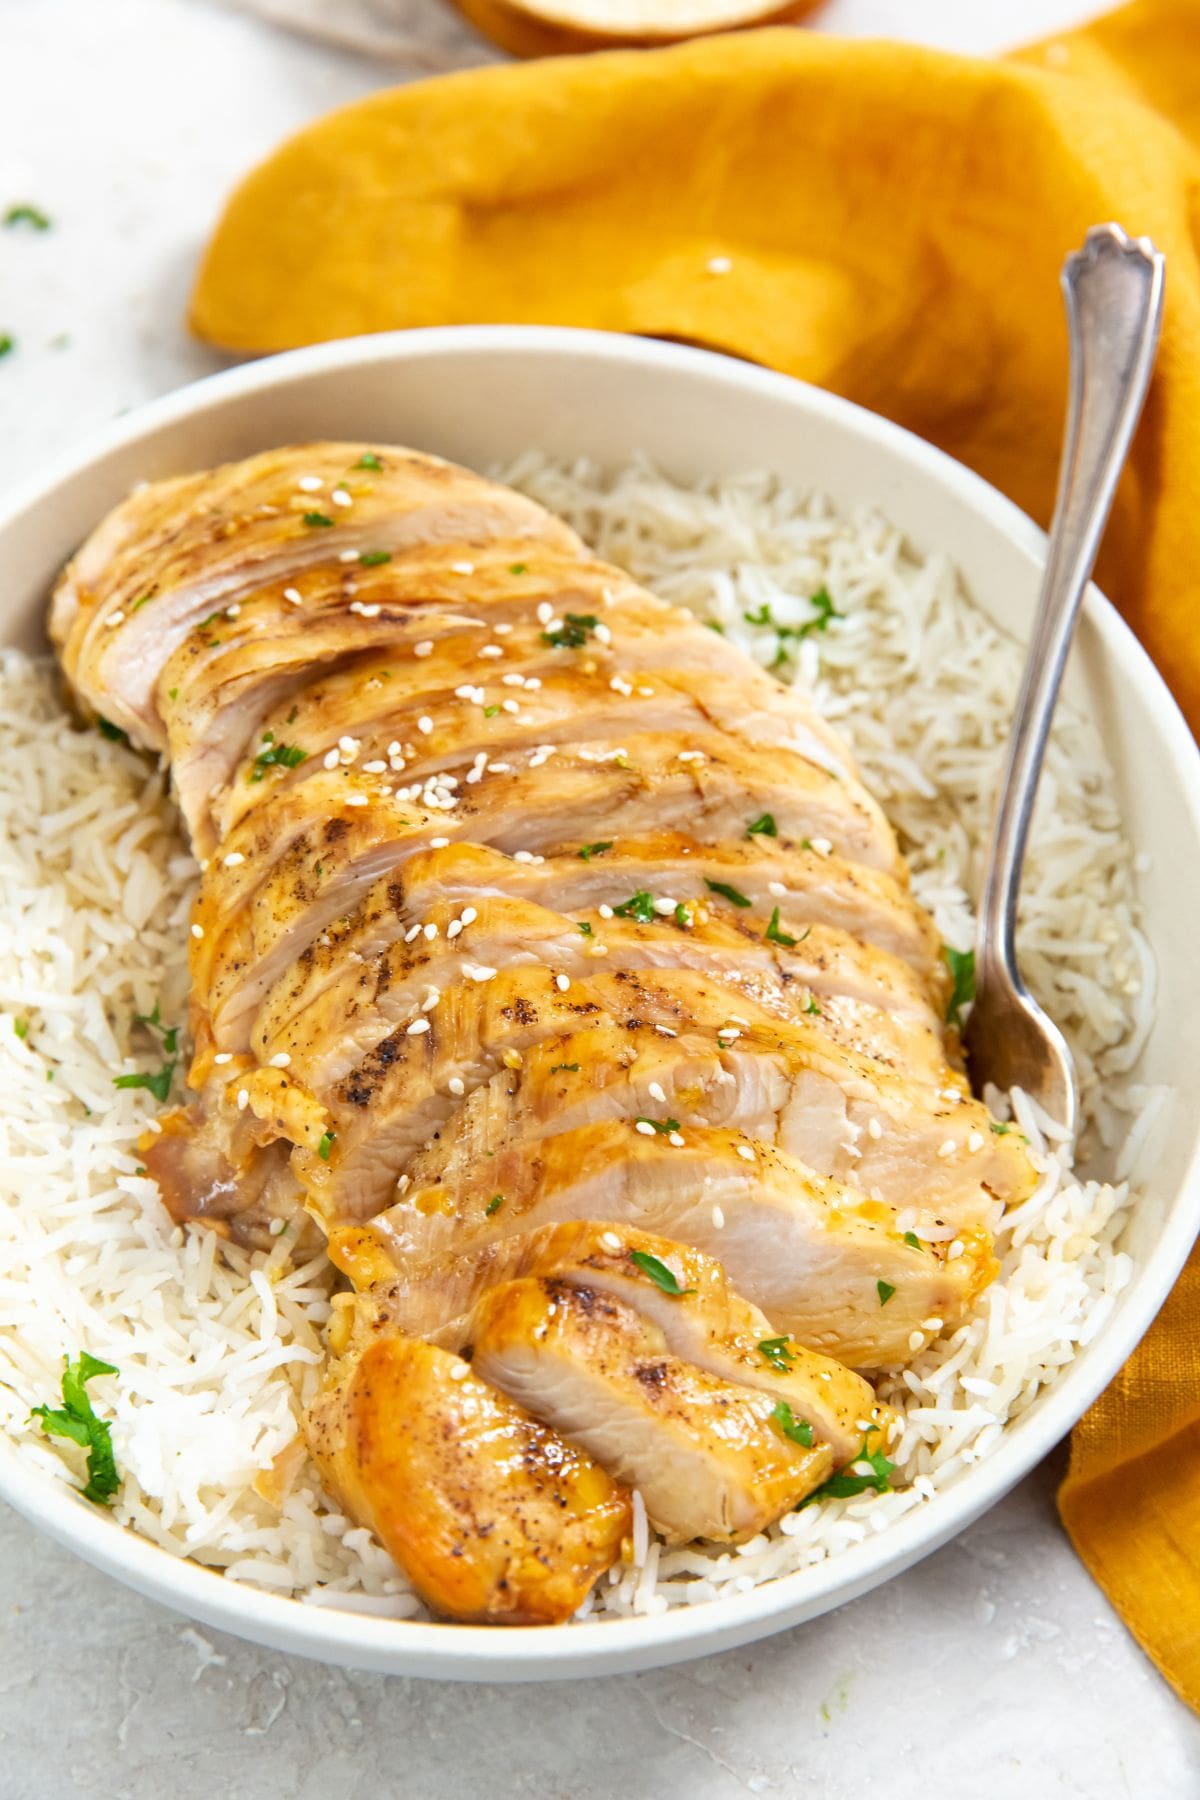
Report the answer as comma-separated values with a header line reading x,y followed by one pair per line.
x,y
552,961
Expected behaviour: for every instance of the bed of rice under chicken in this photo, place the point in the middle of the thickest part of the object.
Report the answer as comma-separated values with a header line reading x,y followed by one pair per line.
x,y
219,1349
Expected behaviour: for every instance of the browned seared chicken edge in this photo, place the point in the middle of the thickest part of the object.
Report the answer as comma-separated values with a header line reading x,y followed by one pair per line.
x,y
552,960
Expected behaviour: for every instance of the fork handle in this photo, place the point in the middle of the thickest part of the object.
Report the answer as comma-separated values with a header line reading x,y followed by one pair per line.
x,y
1113,289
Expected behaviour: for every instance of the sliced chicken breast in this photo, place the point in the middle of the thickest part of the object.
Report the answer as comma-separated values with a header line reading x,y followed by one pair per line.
x,y
838,1272
710,1458
492,1517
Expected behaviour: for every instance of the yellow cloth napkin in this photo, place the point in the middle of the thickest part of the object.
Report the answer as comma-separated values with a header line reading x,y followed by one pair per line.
x,y
895,221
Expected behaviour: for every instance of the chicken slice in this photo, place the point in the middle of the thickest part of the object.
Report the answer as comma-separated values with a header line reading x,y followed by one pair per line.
x,y
491,1516
306,855
707,1324
177,551
863,999
810,1251
709,1457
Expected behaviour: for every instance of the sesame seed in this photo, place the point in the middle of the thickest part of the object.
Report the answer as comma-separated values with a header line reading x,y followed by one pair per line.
x,y
718,1218
975,1142
347,556
310,484
605,911
364,611
513,680
412,932
665,1031
745,1152
776,890
114,619
468,915
933,1324
478,972
425,724
197,931
340,497
545,613
457,1085
692,756
503,629
453,928
665,906
437,843
459,1371
610,1240
222,1057
358,800
233,612
462,568
532,684
676,1139
424,648
874,1129
645,1127
375,767
243,1099
916,1340
491,650
619,686
718,265
292,595
656,1091
509,706
822,846
948,1148
957,1249
562,983
417,1027
233,860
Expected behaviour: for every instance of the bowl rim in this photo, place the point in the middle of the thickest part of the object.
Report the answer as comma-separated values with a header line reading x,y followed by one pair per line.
x,y
481,1652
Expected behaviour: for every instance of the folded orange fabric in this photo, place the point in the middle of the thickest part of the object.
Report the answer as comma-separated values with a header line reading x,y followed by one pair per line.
x,y
894,221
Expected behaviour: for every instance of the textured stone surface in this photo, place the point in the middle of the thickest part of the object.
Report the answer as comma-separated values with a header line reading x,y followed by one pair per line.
x,y
994,1670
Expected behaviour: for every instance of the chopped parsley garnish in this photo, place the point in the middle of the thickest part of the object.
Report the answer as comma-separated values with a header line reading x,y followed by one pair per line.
x,y
494,1204
273,755
75,1419
798,1430
589,850
570,1068
845,1484
683,916
715,625
1000,1130
489,712
172,693
153,1021
519,569
25,214
659,1274
639,906
293,715
664,1127
368,460
371,559
112,732
21,1027
823,611
777,1353
813,1009
582,925
961,964
912,1240
763,826
159,1084
317,519
726,892
575,630
326,1145
142,600
776,936
885,1290
7,343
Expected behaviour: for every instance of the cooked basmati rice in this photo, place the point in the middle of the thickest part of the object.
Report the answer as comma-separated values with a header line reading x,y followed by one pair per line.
x,y
219,1350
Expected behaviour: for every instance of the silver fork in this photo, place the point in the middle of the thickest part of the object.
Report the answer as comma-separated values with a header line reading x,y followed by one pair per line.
x,y
1113,289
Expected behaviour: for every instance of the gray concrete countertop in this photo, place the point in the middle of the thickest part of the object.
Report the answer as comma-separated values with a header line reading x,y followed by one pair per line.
x,y
994,1669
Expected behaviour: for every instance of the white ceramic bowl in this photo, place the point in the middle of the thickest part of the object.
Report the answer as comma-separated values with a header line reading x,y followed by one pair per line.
x,y
484,393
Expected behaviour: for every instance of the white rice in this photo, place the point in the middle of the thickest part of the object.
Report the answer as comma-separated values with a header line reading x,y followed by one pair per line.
x,y
218,1351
